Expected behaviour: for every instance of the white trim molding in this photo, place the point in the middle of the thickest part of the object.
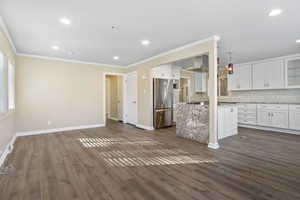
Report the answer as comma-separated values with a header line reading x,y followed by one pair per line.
x,y
213,146
45,131
8,149
124,75
71,61
149,128
7,34
269,129
215,38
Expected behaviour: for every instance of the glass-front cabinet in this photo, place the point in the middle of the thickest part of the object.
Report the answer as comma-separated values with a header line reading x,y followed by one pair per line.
x,y
293,72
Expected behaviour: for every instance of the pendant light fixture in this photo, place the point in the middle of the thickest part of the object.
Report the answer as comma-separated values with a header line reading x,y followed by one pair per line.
x,y
230,65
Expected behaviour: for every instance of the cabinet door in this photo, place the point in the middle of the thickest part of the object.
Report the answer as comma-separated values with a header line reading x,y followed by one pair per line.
x,y
294,120
275,74
175,73
232,81
259,76
269,75
293,72
244,78
280,119
263,118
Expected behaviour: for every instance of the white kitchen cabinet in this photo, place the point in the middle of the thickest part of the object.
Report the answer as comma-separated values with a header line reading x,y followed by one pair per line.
x,y
176,72
241,79
269,75
166,72
273,115
200,82
263,118
227,121
294,117
293,72
163,72
247,114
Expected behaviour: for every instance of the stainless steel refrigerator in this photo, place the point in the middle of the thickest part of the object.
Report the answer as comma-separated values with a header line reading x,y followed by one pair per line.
x,y
162,103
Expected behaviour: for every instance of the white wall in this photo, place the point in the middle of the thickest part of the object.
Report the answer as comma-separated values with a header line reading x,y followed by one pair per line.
x,y
64,93
7,121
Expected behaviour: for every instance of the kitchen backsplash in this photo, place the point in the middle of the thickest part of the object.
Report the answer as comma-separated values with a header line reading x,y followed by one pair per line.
x,y
282,95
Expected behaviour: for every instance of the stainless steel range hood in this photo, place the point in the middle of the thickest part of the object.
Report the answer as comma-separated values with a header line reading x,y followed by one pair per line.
x,y
196,64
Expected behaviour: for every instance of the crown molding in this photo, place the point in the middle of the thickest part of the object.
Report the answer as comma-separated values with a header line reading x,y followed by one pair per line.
x,y
214,38
7,34
71,60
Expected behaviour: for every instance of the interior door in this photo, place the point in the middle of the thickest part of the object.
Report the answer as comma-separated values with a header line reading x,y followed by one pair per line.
x,y
131,98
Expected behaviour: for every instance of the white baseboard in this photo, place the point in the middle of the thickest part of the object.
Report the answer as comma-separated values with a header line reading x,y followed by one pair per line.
x,y
213,145
38,132
8,149
113,118
270,129
149,128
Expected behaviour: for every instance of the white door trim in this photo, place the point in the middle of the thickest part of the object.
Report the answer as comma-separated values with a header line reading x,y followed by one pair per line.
x,y
124,75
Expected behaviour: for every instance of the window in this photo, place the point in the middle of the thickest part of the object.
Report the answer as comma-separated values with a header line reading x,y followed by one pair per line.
x,y
7,85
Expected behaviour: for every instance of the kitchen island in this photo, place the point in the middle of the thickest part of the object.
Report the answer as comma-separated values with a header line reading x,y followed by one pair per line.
x,y
192,121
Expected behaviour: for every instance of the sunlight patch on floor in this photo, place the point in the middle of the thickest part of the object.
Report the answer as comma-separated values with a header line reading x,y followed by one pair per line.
x,y
104,142
150,161
140,152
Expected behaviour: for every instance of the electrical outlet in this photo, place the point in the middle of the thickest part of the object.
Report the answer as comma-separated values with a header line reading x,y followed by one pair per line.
x,y
49,123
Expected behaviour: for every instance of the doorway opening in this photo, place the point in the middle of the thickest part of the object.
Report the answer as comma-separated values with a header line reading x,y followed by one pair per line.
x,y
114,104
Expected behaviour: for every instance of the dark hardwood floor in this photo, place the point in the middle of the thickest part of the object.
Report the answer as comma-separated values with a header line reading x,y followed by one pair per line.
x,y
122,162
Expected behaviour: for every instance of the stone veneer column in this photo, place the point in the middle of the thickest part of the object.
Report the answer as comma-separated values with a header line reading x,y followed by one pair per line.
x,y
213,95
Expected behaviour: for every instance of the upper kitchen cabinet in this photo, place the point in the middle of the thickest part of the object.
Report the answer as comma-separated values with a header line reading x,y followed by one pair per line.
x,y
293,72
241,79
200,82
269,75
162,72
166,72
176,72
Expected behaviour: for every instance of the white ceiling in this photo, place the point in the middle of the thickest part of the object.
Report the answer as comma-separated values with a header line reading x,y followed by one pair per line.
x,y
244,26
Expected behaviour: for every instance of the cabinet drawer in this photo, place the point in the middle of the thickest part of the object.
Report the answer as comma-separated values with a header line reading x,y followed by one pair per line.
x,y
294,107
273,106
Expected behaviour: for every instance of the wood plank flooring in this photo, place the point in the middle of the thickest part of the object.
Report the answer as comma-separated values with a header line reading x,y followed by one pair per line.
x,y
122,162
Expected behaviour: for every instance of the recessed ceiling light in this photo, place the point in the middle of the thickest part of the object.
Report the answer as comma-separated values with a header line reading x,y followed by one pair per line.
x,y
65,21
275,12
145,42
56,48
298,41
116,57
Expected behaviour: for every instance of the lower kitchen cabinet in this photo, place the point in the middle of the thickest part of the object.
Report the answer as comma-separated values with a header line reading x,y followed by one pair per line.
x,y
247,114
276,116
227,121
273,115
294,117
